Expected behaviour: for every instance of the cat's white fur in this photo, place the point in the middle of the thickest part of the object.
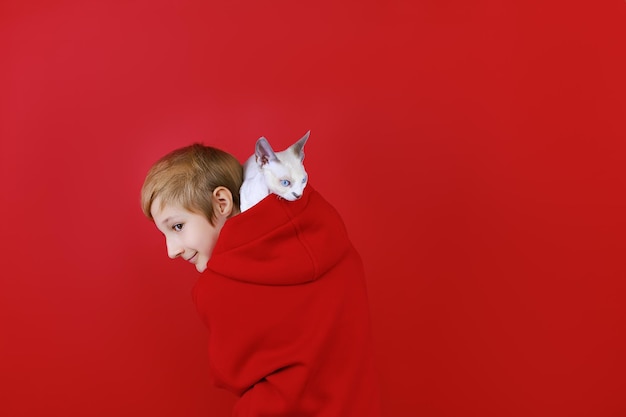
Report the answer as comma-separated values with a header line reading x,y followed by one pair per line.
x,y
268,172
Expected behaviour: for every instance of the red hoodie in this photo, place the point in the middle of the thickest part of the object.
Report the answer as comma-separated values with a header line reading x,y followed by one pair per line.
x,y
285,303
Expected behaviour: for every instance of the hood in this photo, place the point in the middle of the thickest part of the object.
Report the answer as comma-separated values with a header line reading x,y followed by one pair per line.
x,y
280,242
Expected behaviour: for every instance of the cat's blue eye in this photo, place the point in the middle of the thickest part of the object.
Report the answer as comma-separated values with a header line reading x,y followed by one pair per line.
x,y
285,183
304,180
177,227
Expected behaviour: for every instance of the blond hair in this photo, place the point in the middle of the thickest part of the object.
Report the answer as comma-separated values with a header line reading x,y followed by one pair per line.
x,y
187,177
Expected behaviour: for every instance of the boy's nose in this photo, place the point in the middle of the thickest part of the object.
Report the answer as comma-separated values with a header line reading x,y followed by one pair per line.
x,y
173,251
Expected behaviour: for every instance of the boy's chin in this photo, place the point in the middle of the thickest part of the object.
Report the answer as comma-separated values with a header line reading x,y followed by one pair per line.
x,y
201,267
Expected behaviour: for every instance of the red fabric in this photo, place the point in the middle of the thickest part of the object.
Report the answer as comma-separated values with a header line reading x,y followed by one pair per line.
x,y
285,303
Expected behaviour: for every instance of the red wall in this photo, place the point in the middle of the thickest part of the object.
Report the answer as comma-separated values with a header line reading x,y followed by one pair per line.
x,y
475,149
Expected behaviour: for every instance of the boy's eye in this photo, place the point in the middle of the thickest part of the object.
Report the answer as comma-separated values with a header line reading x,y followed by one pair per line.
x,y
178,227
285,183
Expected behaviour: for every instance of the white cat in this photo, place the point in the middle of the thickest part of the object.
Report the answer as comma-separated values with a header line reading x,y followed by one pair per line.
x,y
268,172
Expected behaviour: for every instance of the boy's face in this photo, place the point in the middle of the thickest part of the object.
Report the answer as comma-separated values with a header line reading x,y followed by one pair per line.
x,y
187,235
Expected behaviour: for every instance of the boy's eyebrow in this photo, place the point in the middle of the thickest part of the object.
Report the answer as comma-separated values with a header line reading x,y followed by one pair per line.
x,y
167,219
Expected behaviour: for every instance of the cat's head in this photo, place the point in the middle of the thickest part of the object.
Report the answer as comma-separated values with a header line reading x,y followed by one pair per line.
x,y
284,171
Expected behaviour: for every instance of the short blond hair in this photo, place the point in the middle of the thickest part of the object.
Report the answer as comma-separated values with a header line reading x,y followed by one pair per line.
x,y
187,177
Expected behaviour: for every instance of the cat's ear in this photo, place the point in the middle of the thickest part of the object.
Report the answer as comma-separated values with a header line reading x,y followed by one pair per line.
x,y
264,152
298,147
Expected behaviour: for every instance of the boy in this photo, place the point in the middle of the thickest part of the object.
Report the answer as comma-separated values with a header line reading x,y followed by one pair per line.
x,y
282,294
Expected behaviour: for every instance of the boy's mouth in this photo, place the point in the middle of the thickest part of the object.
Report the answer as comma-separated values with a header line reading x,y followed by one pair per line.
x,y
192,259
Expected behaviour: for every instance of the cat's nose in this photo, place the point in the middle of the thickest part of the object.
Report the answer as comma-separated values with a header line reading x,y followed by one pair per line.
x,y
296,195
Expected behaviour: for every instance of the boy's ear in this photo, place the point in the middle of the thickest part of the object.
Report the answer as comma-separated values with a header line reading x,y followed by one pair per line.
x,y
222,202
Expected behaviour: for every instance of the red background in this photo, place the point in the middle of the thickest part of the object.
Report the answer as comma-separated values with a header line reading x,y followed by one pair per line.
x,y
475,150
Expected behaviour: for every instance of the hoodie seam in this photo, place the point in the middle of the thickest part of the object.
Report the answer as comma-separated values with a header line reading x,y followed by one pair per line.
x,y
304,244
